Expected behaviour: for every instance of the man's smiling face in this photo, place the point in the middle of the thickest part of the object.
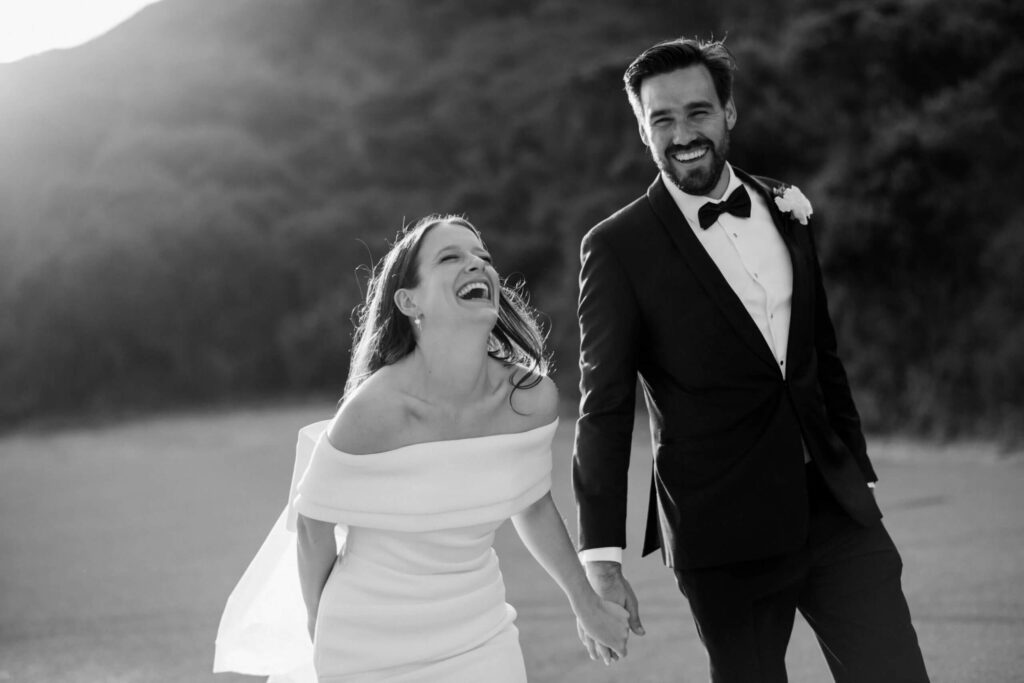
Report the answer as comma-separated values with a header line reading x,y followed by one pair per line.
x,y
687,129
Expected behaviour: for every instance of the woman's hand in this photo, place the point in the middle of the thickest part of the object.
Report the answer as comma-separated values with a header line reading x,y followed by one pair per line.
x,y
603,628
602,625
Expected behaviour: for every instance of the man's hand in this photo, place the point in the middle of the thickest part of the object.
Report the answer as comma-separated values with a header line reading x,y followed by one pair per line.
x,y
610,584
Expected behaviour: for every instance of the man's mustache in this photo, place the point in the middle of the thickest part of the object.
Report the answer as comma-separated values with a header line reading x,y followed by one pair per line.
x,y
691,146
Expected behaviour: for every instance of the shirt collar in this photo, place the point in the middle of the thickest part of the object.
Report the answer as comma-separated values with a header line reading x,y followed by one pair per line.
x,y
689,204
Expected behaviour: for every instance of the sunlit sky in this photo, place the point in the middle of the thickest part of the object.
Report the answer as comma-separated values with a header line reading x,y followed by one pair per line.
x,y
28,27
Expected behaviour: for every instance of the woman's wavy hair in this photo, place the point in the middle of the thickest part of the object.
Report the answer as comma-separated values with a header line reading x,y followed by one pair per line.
x,y
384,335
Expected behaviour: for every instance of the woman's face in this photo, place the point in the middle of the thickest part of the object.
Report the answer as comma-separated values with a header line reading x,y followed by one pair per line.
x,y
458,285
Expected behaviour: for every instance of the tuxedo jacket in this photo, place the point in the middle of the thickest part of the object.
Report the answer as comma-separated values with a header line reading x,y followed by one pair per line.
x,y
728,428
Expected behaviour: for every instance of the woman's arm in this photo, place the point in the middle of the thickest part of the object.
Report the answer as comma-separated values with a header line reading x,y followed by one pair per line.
x,y
317,553
544,535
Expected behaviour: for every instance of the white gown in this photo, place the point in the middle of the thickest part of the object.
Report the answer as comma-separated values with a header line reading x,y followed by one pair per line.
x,y
416,594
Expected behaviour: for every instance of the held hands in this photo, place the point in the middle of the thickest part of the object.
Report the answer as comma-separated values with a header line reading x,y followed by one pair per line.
x,y
609,583
602,628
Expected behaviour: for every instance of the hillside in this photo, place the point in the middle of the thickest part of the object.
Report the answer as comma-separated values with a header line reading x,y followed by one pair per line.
x,y
185,202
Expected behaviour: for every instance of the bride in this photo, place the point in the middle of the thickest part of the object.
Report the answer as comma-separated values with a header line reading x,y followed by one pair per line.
x,y
444,432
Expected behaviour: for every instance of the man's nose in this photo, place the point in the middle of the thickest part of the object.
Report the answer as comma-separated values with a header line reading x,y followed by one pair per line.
x,y
682,134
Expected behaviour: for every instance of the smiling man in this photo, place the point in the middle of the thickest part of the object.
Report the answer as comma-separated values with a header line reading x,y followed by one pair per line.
x,y
694,161
708,289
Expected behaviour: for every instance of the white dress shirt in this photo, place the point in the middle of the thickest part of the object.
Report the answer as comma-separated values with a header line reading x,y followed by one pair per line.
x,y
750,254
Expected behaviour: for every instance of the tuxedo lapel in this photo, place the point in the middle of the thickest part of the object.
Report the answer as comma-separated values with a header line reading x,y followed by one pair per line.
x,y
707,273
799,250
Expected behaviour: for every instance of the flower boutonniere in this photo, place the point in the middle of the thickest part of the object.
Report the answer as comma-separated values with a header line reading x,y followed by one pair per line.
x,y
791,200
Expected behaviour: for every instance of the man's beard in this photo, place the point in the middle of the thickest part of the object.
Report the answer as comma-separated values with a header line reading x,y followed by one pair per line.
x,y
698,182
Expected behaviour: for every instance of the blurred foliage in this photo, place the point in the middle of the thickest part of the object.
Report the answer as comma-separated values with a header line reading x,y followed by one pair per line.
x,y
185,203
920,190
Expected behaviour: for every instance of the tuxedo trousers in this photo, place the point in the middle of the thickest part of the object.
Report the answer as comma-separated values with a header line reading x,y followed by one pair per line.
x,y
845,582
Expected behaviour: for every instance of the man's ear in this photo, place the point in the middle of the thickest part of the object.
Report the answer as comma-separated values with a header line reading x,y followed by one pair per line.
x,y
730,113
406,303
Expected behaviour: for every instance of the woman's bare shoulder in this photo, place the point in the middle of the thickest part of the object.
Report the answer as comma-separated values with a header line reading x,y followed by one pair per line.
x,y
532,395
370,419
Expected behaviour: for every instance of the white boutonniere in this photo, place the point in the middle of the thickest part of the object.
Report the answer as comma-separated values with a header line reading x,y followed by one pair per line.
x,y
792,200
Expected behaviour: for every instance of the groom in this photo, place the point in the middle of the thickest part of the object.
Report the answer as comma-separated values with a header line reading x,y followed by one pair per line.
x,y
708,289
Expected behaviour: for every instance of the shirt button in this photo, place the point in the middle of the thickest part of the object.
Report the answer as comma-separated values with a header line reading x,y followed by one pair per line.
x,y
782,362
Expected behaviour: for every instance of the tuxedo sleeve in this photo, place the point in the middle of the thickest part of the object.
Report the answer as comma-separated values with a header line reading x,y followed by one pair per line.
x,y
608,316
839,405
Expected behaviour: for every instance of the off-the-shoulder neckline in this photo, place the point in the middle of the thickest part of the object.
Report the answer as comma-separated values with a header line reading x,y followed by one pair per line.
x,y
436,442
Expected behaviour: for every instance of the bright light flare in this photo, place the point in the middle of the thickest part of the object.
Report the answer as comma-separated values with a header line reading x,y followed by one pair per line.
x,y
28,27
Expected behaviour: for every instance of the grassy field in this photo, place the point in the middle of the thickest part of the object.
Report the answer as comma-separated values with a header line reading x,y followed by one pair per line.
x,y
119,545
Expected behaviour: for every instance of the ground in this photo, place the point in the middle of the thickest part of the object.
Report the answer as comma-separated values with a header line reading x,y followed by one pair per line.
x,y
120,543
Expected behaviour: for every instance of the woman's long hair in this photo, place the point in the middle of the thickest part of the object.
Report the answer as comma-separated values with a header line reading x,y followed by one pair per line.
x,y
384,335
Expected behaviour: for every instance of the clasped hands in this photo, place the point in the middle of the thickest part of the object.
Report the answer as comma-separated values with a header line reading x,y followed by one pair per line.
x,y
605,629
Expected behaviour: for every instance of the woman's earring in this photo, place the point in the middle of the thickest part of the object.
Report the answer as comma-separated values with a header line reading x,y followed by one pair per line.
x,y
418,322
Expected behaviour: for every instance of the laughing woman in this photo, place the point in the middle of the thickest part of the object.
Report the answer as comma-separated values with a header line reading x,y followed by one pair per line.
x,y
444,432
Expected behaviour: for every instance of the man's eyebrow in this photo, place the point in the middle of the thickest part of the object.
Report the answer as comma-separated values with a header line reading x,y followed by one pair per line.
x,y
689,106
699,104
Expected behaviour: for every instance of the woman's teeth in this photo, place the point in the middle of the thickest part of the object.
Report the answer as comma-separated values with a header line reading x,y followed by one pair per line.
x,y
474,290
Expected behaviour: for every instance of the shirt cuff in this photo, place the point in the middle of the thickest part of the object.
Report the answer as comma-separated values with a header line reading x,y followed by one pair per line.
x,y
871,484
601,555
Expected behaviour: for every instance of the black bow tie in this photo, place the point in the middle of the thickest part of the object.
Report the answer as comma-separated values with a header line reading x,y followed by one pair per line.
x,y
738,204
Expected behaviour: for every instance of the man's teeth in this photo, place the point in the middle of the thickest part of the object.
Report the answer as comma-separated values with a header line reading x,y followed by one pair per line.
x,y
690,156
474,290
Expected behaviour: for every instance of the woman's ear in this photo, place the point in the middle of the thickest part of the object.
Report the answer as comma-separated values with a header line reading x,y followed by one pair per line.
x,y
406,304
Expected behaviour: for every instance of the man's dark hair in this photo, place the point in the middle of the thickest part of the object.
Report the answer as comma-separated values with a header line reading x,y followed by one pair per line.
x,y
680,53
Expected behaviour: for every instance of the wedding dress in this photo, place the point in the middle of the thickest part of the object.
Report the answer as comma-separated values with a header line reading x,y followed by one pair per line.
x,y
416,593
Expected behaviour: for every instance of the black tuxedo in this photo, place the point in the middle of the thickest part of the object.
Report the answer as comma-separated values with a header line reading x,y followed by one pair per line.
x,y
753,533
729,477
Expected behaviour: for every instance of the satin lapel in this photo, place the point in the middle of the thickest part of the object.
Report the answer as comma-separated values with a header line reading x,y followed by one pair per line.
x,y
711,279
799,251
